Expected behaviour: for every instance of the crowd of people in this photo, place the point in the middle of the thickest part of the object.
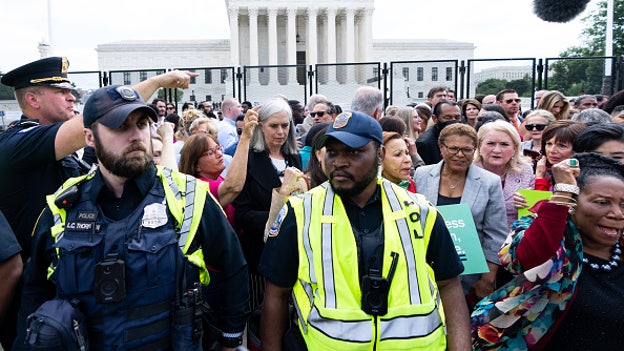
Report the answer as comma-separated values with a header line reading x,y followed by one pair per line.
x,y
313,227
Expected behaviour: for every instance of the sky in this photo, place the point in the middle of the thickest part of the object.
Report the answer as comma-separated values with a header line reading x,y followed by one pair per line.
x,y
498,28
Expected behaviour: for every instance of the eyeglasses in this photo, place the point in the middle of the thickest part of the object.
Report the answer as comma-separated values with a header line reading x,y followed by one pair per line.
x,y
212,151
509,101
455,150
320,114
530,127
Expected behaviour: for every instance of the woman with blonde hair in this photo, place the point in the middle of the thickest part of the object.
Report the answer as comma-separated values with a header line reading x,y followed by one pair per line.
x,y
204,125
499,151
408,115
556,103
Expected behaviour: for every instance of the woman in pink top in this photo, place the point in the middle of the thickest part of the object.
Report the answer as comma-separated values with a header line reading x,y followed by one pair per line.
x,y
202,157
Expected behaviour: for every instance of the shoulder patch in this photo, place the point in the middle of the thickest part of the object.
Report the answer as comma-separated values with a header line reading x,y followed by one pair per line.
x,y
277,224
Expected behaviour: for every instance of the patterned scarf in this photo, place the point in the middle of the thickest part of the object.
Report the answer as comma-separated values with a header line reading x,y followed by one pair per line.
x,y
520,313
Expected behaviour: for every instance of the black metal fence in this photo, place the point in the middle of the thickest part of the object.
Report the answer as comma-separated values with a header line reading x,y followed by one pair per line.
x,y
402,82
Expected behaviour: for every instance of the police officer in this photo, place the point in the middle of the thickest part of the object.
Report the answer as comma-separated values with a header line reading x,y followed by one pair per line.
x,y
38,151
130,242
367,262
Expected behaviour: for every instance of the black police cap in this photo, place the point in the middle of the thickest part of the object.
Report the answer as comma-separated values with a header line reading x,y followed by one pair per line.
x,y
50,71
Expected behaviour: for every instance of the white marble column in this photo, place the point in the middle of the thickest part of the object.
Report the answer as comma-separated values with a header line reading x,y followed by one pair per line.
x,y
234,43
331,43
311,40
350,41
366,35
253,43
272,24
291,44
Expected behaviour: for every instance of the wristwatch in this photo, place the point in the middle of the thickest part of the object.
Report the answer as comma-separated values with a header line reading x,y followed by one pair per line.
x,y
567,188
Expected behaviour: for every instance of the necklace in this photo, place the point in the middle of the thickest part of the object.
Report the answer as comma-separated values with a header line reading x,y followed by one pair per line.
x,y
453,186
614,261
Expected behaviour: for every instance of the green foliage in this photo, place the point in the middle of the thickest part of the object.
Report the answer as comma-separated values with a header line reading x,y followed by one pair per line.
x,y
180,94
493,85
6,93
577,76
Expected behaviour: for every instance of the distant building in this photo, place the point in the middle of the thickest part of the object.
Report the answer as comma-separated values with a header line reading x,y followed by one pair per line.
x,y
293,32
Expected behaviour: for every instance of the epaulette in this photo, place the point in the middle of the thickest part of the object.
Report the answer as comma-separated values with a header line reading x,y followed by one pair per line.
x,y
23,124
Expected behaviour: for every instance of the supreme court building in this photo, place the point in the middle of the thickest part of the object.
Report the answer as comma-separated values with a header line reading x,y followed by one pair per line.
x,y
293,32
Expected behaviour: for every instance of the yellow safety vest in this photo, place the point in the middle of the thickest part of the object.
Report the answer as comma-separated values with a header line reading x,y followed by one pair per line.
x,y
327,292
186,197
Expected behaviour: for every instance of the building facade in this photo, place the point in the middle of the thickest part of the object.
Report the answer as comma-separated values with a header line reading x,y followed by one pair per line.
x,y
288,33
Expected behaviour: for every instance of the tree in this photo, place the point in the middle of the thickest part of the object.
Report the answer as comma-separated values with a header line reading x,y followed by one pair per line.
x,y
491,86
6,93
179,92
494,85
585,74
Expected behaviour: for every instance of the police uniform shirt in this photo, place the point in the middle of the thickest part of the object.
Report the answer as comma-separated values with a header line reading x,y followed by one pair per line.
x,y
8,243
28,172
218,240
280,262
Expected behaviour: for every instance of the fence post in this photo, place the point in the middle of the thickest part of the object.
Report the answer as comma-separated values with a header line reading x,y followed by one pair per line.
x,y
311,80
618,74
104,80
462,76
546,74
540,72
384,72
239,77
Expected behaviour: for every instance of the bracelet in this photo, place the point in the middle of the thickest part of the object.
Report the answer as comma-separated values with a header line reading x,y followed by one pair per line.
x,y
571,207
565,198
567,188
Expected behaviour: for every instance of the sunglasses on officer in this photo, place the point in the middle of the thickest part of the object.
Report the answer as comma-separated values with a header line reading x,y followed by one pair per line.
x,y
531,127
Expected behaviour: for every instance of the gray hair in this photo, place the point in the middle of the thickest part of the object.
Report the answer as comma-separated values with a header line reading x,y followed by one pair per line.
x,y
268,109
315,99
367,99
592,116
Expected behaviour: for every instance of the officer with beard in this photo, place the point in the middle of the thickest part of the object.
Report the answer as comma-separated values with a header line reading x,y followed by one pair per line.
x,y
129,244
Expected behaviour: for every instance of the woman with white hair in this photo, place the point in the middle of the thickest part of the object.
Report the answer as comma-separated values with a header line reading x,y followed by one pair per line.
x,y
499,151
273,148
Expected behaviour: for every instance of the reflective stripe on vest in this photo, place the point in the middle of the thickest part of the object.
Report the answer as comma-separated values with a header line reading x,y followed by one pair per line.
x,y
185,197
332,306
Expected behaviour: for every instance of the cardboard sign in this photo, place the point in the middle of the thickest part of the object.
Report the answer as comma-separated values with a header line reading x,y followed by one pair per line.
x,y
532,196
460,224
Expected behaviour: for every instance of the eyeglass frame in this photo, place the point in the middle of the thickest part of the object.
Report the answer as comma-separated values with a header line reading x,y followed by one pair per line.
x,y
212,150
319,113
454,150
509,101
538,126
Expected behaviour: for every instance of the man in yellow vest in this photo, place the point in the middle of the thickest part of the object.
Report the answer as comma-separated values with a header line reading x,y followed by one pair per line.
x,y
129,246
369,265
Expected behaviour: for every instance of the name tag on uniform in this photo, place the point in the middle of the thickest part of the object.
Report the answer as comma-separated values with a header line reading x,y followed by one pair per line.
x,y
82,227
154,215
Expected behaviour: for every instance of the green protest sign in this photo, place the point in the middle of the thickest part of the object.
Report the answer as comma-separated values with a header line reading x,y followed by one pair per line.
x,y
532,196
460,224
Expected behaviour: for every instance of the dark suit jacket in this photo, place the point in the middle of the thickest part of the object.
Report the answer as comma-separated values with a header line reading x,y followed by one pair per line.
x,y
253,203
427,145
